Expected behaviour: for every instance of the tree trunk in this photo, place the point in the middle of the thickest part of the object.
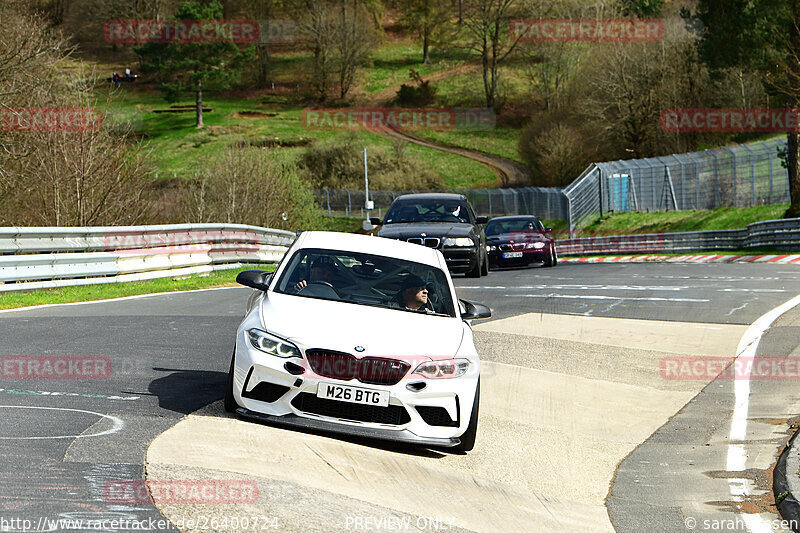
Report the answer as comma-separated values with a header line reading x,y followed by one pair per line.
x,y
460,12
262,52
426,58
199,105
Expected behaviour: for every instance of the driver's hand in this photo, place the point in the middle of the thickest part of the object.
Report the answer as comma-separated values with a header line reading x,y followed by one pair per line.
x,y
302,283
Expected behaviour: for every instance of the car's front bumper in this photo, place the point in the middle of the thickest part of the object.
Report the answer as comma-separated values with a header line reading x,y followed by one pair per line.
x,y
461,260
295,400
529,257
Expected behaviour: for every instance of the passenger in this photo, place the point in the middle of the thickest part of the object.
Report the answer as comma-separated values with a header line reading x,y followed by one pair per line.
x,y
322,269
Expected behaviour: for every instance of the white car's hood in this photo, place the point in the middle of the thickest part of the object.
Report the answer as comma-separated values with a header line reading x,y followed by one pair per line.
x,y
339,326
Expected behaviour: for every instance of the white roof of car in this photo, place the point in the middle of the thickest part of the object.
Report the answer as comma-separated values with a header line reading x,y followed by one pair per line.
x,y
353,242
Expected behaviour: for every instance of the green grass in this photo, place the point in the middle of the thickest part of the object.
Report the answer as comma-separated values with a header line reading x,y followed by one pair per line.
x,y
679,221
177,147
13,300
392,63
500,140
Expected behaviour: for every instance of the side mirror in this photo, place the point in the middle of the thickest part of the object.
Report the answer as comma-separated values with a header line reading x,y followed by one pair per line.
x,y
257,279
548,230
375,221
474,310
483,220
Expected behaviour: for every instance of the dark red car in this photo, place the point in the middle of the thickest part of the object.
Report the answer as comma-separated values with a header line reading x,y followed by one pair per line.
x,y
517,241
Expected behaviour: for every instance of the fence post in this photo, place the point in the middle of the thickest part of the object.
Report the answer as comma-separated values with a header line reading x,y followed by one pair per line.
x,y
697,184
683,183
733,155
600,189
349,205
769,157
752,175
328,194
716,178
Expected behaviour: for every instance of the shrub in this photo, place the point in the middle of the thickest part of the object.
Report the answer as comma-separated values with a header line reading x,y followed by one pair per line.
x,y
340,165
250,186
556,155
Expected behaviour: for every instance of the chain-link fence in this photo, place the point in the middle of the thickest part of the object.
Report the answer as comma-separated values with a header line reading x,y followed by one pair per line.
x,y
732,176
544,202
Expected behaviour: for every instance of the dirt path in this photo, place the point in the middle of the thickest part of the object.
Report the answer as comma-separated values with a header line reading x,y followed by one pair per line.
x,y
509,173
387,95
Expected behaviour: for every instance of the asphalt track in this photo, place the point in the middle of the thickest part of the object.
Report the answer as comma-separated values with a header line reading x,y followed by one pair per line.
x,y
579,431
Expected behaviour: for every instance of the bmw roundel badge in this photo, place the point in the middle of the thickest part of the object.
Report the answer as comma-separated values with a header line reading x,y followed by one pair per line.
x,y
360,349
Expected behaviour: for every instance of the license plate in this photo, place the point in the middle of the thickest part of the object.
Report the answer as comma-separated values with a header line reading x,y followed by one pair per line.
x,y
343,393
512,255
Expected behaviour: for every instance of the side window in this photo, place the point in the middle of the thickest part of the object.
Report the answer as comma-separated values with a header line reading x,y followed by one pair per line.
x,y
472,217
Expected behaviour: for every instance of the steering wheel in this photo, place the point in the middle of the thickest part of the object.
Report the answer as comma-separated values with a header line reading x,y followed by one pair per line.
x,y
318,282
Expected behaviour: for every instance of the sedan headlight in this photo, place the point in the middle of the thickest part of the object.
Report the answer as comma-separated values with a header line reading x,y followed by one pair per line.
x,y
268,343
449,368
459,241
536,245
491,248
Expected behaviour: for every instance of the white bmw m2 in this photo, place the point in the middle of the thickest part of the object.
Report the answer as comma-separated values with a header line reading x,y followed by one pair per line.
x,y
359,335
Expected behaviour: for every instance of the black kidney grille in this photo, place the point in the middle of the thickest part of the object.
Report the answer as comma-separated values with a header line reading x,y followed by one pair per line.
x,y
344,366
309,403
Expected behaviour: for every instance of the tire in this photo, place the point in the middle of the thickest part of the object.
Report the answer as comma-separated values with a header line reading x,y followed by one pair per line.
x,y
230,402
485,268
554,253
468,438
476,272
548,261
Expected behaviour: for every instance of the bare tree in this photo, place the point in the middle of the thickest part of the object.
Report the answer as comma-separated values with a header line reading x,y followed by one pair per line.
x,y
340,33
250,186
486,23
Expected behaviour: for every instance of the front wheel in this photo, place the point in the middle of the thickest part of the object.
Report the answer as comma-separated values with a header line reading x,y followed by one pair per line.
x,y
476,272
468,438
230,402
485,268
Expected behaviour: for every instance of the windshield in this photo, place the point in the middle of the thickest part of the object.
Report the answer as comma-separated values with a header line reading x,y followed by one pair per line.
x,y
514,225
366,279
428,211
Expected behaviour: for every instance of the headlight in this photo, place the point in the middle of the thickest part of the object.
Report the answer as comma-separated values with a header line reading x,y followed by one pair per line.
x,y
536,245
449,368
491,248
460,241
261,340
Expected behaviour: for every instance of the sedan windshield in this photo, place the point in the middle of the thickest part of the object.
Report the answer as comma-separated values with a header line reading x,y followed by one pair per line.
x,y
428,211
367,279
513,225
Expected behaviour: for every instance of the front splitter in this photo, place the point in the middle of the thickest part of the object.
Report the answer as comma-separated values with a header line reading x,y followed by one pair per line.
x,y
402,435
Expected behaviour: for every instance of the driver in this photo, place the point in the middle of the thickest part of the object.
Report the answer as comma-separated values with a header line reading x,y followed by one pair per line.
x,y
322,269
413,294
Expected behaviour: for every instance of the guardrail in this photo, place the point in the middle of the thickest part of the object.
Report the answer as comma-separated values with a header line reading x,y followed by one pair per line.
x,y
34,258
778,234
